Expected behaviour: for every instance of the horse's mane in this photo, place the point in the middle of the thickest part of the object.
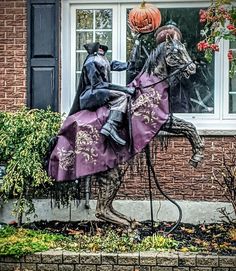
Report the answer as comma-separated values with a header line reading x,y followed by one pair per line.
x,y
155,62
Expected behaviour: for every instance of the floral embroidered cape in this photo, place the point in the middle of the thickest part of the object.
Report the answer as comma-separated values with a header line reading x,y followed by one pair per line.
x,y
81,150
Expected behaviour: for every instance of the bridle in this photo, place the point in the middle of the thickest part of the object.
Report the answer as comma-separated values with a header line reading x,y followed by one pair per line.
x,y
181,69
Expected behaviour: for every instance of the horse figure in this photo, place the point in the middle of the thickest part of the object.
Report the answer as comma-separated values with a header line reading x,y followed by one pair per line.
x,y
81,150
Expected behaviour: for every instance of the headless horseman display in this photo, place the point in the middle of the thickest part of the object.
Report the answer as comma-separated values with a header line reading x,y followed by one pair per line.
x,y
95,90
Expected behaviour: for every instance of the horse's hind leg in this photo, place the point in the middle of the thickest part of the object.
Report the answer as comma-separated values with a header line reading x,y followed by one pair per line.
x,y
180,126
109,183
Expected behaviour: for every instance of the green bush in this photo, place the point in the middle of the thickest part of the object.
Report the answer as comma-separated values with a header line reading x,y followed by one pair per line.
x,y
19,242
24,141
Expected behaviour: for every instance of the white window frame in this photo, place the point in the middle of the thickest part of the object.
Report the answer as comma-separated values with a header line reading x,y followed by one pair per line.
x,y
221,122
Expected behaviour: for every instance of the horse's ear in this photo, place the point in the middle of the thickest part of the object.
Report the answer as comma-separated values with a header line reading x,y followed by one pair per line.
x,y
168,37
176,36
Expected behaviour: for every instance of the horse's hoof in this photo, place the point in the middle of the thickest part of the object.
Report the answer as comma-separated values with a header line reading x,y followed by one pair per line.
x,y
135,224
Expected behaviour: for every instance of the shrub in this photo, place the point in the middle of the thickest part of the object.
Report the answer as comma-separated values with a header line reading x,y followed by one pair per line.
x,y
24,142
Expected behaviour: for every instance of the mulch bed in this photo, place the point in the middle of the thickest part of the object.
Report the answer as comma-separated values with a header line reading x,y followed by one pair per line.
x,y
210,238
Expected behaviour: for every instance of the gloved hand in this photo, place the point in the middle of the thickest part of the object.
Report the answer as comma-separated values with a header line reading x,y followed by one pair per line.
x,y
131,91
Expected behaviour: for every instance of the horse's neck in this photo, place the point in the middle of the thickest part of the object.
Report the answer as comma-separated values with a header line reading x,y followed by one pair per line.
x,y
156,63
160,69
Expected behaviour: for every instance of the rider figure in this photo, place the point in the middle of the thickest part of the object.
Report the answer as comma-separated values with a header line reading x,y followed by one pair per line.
x,y
95,90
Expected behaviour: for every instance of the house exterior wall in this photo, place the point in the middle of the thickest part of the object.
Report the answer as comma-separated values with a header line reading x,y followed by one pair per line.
x,y
12,54
176,176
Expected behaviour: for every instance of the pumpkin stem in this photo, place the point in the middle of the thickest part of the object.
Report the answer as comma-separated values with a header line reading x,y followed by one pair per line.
x,y
143,4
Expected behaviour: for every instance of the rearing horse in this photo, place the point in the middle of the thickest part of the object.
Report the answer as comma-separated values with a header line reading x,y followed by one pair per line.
x,y
81,150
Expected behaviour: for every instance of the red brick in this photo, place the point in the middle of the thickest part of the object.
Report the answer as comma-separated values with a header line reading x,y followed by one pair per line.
x,y
7,65
20,65
2,71
14,82
20,4
20,28
14,47
6,29
2,94
15,95
20,53
19,101
6,41
20,41
21,89
6,53
14,23
14,35
8,4
6,17
20,17
15,59
7,101
14,71
20,77
14,10
2,107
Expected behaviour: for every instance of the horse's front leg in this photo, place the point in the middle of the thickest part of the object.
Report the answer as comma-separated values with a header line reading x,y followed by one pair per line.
x,y
109,183
180,126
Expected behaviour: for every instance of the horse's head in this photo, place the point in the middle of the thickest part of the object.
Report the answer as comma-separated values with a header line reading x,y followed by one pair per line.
x,y
170,59
177,57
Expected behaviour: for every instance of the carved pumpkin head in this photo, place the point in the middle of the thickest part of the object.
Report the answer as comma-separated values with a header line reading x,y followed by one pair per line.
x,y
144,18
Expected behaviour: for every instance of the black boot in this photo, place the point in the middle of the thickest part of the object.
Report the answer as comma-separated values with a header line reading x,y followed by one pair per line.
x,y
110,128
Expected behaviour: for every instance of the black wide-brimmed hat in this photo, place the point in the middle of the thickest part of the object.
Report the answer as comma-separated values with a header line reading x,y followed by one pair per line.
x,y
93,47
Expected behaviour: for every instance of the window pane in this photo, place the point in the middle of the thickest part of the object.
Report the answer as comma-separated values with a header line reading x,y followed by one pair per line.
x,y
80,58
83,38
104,38
197,94
92,25
103,19
84,19
232,85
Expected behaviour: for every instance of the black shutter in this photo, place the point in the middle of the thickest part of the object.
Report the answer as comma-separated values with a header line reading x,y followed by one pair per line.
x,y
43,49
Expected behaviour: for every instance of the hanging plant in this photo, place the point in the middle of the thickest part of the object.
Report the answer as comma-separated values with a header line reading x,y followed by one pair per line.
x,y
144,18
219,23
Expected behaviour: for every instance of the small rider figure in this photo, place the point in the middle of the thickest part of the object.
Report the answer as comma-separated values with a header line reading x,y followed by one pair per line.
x,y
95,90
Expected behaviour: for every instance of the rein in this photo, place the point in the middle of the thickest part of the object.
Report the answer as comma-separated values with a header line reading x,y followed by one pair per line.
x,y
180,69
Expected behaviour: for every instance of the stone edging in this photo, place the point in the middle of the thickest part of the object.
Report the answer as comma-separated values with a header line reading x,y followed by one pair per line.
x,y
143,261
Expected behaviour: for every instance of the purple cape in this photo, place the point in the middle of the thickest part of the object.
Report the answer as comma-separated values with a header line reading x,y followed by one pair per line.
x,y
81,150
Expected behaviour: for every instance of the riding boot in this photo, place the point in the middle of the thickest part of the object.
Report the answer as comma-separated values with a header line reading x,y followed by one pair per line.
x,y
110,128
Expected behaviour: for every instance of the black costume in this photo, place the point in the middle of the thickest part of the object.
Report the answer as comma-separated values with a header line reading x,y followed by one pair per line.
x,y
95,89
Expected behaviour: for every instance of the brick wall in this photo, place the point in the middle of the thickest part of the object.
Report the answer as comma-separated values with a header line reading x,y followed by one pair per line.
x,y
143,261
177,178
12,54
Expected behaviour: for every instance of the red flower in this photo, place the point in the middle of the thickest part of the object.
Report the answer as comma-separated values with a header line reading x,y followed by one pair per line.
x,y
202,45
203,16
230,55
215,47
230,27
